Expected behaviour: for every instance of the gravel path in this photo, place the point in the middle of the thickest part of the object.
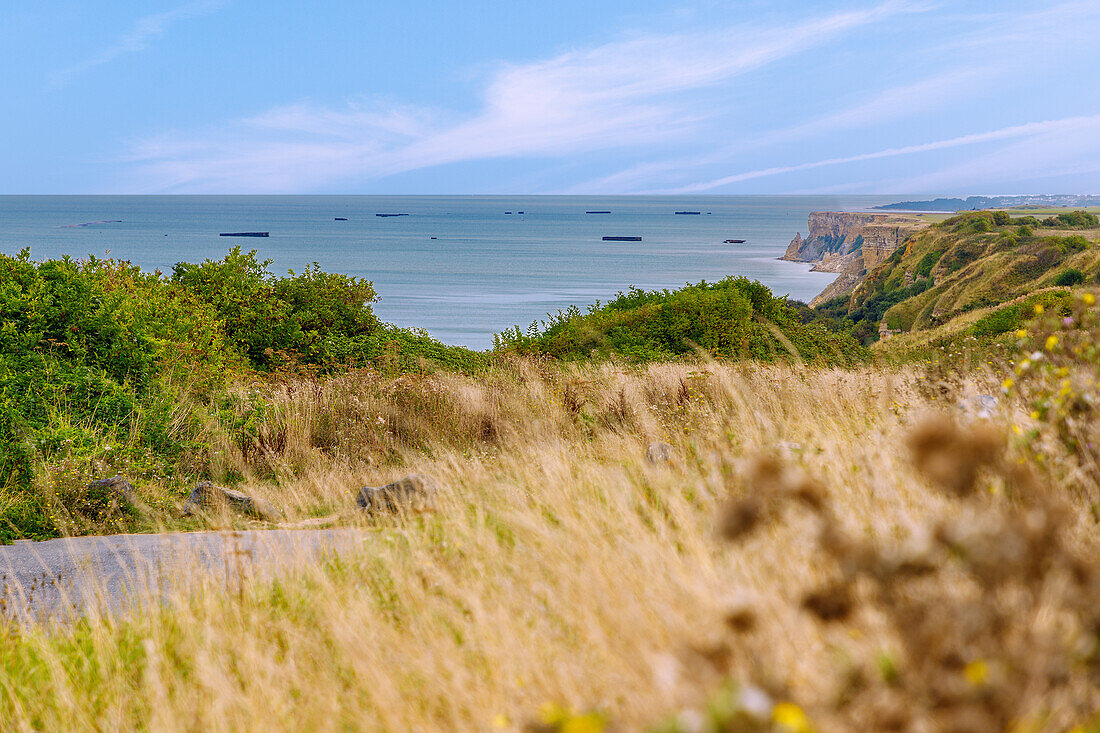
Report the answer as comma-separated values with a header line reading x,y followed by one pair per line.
x,y
70,577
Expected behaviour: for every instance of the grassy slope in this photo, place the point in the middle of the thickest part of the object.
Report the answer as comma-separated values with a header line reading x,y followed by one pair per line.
x,y
966,264
561,569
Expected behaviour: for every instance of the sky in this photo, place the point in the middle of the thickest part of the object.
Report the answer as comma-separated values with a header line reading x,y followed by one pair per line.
x,y
536,97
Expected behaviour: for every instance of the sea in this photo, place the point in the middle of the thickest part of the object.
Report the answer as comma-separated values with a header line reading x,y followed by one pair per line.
x,y
460,267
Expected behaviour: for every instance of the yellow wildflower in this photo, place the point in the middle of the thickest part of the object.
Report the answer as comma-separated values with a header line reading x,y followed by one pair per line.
x,y
1034,415
789,716
1089,299
1038,309
1052,341
1022,333
977,672
1007,384
588,723
500,721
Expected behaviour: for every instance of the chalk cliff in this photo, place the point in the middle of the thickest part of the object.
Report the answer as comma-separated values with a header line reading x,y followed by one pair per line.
x,y
849,244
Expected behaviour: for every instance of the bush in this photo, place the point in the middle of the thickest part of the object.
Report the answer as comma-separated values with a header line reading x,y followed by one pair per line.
x,y
1001,218
104,366
1072,276
735,317
1073,219
1012,317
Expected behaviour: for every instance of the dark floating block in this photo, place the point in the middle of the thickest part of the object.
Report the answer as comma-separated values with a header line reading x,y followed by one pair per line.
x,y
391,214
695,213
90,223
622,239
243,234
340,218
733,241
597,212
519,212
432,237
507,212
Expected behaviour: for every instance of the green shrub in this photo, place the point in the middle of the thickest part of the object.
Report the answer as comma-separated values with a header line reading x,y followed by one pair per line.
x,y
1072,219
1012,317
104,365
734,318
1001,218
1071,276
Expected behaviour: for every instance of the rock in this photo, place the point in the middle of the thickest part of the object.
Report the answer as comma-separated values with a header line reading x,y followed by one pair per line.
x,y
415,492
122,491
119,486
659,452
207,495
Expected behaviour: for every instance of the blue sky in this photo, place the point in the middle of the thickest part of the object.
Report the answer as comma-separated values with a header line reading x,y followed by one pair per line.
x,y
228,96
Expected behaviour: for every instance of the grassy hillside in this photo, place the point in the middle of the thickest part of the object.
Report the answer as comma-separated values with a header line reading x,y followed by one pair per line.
x,y
973,261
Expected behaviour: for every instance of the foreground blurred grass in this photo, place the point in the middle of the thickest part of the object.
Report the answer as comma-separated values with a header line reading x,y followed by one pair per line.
x,y
562,571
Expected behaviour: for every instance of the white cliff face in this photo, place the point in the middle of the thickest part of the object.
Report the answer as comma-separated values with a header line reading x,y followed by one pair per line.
x,y
849,244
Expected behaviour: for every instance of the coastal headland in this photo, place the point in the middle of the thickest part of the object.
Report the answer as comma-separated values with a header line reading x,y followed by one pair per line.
x,y
851,244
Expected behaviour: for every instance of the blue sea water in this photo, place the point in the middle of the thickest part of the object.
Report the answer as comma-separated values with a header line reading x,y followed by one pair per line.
x,y
461,267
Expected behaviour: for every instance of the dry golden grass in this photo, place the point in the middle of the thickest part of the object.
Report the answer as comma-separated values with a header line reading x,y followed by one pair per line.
x,y
561,567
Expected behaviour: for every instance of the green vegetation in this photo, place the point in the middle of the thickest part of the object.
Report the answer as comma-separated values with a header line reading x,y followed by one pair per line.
x,y
734,318
108,369
1069,277
103,365
969,262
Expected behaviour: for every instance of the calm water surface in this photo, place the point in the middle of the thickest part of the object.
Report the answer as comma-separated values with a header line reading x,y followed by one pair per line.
x,y
461,267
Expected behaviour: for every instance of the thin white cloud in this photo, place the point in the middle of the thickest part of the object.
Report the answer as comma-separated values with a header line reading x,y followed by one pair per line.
x,y
623,93
924,95
1059,150
1048,129
1015,31
144,30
